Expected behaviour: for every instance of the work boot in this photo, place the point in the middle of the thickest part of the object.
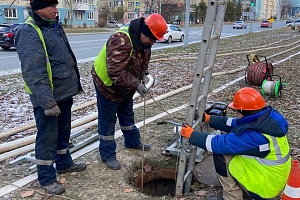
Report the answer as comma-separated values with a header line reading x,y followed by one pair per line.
x,y
75,167
113,164
140,147
54,188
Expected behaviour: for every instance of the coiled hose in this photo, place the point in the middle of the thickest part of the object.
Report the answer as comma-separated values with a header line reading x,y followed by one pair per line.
x,y
257,72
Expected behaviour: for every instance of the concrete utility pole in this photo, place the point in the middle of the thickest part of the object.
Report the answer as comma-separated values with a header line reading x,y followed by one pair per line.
x,y
186,22
278,13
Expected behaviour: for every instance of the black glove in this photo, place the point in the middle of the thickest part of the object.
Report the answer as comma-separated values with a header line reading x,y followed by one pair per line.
x,y
53,111
141,89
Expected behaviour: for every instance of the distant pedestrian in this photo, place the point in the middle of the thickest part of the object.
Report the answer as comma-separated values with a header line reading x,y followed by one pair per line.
x,y
119,71
49,69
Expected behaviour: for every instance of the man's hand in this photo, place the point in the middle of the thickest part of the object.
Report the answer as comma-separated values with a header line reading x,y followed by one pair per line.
x,y
141,89
53,111
186,130
206,117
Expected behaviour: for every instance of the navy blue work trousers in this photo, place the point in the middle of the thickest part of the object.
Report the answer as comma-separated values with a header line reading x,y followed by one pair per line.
x,y
52,142
108,111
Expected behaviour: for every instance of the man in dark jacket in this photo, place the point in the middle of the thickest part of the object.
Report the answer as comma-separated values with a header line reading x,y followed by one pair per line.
x,y
52,79
118,73
254,156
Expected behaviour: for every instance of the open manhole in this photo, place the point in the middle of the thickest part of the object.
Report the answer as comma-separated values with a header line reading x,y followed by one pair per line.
x,y
159,182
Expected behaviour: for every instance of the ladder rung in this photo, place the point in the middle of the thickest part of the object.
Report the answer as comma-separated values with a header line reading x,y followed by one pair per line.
x,y
206,69
214,37
187,174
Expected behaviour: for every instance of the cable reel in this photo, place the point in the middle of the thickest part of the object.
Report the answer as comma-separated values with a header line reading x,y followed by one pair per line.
x,y
272,88
257,71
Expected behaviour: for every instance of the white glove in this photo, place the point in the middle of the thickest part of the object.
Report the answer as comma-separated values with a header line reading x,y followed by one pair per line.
x,y
141,89
145,79
53,111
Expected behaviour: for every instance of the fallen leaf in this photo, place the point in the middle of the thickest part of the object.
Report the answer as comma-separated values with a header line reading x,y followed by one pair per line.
x,y
128,190
148,168
62,180
27,193
201,193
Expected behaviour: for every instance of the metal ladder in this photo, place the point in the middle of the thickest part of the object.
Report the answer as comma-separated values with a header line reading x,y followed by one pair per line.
x,y
209,44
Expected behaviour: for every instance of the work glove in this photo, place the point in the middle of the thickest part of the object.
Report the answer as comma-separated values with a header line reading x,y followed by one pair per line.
x,y
53,111
186,130
141,89
206,117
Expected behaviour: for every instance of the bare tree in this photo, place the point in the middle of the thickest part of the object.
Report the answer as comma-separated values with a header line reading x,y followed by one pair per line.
x,y
72,5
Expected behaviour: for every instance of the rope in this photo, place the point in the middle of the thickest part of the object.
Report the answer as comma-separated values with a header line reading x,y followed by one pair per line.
x,y
257,72
143,140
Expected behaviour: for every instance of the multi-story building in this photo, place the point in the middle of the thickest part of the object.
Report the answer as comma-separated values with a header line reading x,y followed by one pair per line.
x,y
71,12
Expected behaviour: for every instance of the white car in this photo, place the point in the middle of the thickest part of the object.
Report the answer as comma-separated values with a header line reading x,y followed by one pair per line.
x,y
293,24
239,24
112,24
173,33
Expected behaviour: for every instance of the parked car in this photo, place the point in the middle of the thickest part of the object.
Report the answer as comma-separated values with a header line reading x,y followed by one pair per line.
x,y
112,24
266,24
289,21
293,24
7,35
239,24
173,33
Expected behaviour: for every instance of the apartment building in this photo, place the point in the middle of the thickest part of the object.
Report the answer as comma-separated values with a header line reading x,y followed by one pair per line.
x,y
76,13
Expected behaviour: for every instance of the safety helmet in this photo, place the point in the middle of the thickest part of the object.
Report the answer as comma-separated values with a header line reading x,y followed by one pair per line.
x,y
247,99
157,25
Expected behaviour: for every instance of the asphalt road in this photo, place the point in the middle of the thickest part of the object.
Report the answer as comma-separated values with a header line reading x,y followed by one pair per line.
x,y
87,46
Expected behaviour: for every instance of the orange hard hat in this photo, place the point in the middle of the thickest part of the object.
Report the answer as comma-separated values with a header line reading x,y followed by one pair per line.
x,y
247,99
157,25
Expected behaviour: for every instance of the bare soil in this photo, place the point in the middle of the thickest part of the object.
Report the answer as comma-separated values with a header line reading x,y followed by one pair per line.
x,y
171,69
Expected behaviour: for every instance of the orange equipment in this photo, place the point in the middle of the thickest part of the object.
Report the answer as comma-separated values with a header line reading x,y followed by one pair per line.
x,y
247,99
292,187
157,25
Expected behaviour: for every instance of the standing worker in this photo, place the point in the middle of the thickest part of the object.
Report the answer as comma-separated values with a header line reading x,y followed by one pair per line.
x,y
119,71
254,156
49,69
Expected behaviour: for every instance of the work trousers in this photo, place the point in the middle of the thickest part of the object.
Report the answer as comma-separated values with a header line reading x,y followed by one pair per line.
x,y
52,142
108,111
232,189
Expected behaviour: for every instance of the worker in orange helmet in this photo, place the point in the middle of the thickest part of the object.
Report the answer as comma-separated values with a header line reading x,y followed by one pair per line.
x,y
254,154
119,71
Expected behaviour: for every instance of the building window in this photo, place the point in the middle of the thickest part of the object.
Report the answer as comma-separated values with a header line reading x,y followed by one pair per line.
x,y
90,16
130,15
10,12
91,2
69,15
130,4
79,15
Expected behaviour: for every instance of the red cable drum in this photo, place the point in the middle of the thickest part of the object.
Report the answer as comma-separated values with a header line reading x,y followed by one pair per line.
x,y
257,72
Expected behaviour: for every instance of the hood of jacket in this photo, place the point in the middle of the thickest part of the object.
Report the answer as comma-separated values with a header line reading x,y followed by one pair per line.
x,y
135,33
268,121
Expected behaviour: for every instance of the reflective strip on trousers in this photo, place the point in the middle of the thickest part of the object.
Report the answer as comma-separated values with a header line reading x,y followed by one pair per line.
x,y
127,128
62,151
106,137
44,162
292,192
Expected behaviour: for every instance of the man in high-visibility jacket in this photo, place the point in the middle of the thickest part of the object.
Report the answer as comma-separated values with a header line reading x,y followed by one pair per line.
x,y
49,69
254,156
119,71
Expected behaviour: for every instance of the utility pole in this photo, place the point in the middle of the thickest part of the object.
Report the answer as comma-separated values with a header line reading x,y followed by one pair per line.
x,y
278,13
251,16
186,22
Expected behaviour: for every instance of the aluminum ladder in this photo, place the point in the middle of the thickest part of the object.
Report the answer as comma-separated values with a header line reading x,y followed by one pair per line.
x,y
203,74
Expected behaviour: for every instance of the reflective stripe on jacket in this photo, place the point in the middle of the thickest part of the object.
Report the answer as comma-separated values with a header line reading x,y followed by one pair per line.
x,y
31,22
100,62
264,176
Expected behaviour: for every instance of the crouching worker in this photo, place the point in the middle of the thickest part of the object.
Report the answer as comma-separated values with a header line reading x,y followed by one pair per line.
x,y
254,155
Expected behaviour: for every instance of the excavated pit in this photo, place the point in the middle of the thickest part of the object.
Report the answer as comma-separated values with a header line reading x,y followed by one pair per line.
x,y
159,182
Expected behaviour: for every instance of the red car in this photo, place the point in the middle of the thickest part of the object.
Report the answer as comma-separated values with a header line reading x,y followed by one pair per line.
x,y
266,24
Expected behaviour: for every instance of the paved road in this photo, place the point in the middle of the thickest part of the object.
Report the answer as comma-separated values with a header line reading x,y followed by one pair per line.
x,y
87,46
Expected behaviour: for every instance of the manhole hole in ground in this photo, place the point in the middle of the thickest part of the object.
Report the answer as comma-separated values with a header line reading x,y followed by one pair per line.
x,y
159,182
